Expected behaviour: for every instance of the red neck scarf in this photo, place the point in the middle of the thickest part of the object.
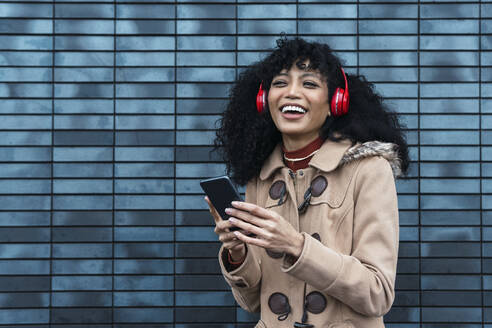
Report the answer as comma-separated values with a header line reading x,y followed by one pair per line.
x,y
300,153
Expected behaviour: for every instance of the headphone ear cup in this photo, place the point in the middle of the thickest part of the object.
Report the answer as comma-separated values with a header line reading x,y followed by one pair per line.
x,y
260,99
345,103
336,102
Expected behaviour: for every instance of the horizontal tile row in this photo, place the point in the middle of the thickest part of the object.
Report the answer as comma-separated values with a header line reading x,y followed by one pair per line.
x,y
231,43
64,10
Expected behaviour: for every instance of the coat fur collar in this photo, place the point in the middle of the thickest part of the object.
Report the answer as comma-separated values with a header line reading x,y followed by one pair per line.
x,y
334,154
387,150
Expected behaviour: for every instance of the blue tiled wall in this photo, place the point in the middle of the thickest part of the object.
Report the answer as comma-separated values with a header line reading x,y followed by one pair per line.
x,y
107,116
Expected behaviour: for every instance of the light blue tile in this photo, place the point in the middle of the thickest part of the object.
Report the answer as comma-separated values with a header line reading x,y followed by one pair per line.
x,y
25,154
141,106
82,186
449,11
151,186
80,90
18,58
197,58
392,74
24,267
450,170
81,299
145,43
161,58
327,11
161,234
8,219
449,106
449,122
82,250
85,26
154,90
449,58
144,170
195,122
145,27
82,282
145,11
13,187
187,170
86,122
82,202
450,234
145,74
269,26
312,26
143,299
206,74
388,42
449,26
453,186
194,90
8,42
13,251
206,11
139,315
451,314
146,122
461,74
70,10
25,203
24,170
208,298
144,202
268,11
456,42
447,153
26,10
81,267
85,106
143,282
84,43
153,154
459,282
221,43
388,27
31,90
84,74
32,26
448,90
24,316
82,154
143,266
83,59
388,11
449,137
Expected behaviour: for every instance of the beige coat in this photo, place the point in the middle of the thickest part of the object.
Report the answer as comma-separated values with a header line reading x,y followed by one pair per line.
x,y
351,236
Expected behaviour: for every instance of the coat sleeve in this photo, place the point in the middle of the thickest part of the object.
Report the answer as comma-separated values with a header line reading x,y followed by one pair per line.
x,y
245,281
365,279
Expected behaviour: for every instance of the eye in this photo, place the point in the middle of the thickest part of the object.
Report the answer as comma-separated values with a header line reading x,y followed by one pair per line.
x,y
277,82
311,84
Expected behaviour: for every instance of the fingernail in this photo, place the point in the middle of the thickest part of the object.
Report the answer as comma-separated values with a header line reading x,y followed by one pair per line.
x,y
235,202
228,210
232,220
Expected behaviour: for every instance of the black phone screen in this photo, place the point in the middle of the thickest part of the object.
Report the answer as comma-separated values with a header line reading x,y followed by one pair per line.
x,y
221,193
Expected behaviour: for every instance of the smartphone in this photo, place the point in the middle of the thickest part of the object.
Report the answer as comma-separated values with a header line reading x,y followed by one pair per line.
x,y
221,193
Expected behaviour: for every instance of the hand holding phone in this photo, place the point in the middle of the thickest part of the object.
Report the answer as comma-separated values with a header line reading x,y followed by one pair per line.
x,y
221,193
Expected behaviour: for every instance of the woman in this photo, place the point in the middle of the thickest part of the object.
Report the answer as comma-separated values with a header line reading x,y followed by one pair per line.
x,y
318,235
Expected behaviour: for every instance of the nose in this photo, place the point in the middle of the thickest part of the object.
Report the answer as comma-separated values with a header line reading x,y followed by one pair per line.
x,y
293,90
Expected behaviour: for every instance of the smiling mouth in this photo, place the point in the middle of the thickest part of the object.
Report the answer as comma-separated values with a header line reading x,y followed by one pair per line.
x,y
293,110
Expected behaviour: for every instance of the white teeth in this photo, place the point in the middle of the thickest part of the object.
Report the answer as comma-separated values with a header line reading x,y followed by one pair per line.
x,y
293,109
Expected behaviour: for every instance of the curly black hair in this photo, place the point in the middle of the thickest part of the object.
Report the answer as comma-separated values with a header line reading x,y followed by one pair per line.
x,y
246,138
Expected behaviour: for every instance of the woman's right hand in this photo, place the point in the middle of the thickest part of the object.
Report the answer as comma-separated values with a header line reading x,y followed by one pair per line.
x,y
236,247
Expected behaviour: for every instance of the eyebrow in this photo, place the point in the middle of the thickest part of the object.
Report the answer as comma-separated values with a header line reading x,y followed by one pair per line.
x,y
303,75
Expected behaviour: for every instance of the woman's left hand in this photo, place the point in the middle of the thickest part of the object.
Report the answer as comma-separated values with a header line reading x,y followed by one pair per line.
x,y
271,229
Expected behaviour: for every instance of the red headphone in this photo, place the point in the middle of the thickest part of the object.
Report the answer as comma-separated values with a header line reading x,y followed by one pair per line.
x,y
339,101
